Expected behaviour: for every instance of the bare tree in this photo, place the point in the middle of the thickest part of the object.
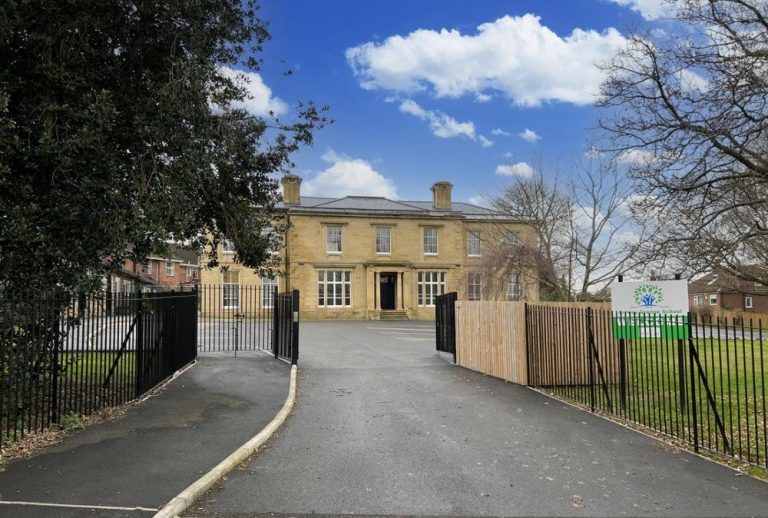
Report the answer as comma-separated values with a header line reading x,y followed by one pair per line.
x,y
585,232
691,110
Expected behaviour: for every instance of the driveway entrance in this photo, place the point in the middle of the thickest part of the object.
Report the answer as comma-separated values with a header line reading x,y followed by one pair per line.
x,y
385,426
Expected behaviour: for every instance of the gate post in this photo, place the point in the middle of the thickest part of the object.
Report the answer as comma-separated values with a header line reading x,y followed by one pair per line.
x,y
590,360
275,320
138,362
295,330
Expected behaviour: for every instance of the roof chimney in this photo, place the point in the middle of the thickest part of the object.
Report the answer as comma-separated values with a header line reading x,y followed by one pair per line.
x,y
441,195
291,189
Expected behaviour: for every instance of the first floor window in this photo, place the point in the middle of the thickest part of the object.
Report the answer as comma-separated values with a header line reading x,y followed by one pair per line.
x,y
473,243
748,302
147,267
513,286
268,292
430,240
713,300
231,289
334,288
170,271
430,285
696,300
192,272
333,239
227,246
474,286
383,240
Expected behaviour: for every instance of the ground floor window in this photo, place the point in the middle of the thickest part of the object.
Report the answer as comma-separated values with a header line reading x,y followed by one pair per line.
x,y
513,286
474,286
334,288
268,291
431,284
748,302
230,286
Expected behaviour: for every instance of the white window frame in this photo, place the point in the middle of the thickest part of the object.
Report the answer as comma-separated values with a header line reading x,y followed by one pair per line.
x,y
191,272
232,287
430,284
473,241
334,247
428,241
170,268
334,289
147,267
512,237
383,232
268,291
748,303
513,287
696,301
713,299
474,286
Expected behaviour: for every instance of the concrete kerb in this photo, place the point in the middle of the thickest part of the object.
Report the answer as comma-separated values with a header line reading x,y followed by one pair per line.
x,y
186,498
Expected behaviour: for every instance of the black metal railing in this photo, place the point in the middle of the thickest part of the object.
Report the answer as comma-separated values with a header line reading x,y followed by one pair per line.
x,y
285,337
236,317
64,354
445,323
700,382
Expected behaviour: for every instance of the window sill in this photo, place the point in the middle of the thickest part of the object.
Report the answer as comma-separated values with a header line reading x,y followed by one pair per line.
x,y
333,253
384,253
430,254
474,255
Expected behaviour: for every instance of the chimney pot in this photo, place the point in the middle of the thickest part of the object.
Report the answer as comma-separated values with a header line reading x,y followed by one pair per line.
x,y
291,189
441,195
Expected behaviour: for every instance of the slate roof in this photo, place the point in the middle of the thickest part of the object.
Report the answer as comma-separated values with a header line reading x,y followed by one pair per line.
x,y
379,205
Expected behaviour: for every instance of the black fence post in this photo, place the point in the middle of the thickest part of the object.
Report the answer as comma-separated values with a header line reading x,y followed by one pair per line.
x,y
452,319
693,398
55,367
139,360
681,367
295,330
275,320
590,361
622,364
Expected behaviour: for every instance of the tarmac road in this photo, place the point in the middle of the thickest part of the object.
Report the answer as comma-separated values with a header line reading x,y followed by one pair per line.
x,y
383,426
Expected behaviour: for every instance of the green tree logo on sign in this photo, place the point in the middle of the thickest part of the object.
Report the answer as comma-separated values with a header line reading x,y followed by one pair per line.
x,y
648,295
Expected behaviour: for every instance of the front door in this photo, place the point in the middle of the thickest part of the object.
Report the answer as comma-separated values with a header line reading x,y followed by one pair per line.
x,y
387,290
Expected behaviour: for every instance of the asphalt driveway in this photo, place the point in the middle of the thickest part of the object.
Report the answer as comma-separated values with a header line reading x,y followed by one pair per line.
x,y
384,426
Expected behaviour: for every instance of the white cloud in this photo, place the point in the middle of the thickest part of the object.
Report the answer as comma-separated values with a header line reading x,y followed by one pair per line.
x,y
346,176
690,81
442,124
635,156
259,99
649,9
480,200
516,56
483,98
529,136
519,169
501,133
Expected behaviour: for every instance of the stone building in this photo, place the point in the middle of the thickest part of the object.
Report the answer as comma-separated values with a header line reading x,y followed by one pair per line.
x,y
364,257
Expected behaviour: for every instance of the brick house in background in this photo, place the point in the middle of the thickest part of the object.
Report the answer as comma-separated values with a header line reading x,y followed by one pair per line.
x,y
180,270
717,292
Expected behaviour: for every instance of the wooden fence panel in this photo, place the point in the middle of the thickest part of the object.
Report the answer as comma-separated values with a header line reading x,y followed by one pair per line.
x,y
490,338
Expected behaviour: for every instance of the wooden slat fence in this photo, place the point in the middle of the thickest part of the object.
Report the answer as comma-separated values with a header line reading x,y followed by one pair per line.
x,y
490,338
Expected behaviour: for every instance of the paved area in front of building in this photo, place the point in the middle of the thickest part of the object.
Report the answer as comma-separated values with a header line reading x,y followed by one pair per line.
x,y
158,449
383,426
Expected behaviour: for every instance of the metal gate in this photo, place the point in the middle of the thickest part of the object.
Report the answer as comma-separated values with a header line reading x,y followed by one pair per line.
x,y
285,338
445,323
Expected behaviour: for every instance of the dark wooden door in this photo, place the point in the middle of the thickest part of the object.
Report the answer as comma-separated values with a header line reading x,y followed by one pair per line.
x,y
387,290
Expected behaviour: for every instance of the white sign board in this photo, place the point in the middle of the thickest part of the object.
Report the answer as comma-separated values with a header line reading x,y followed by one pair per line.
x,y
668,297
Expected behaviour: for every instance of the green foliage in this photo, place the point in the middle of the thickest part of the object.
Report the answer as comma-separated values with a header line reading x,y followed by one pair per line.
x,y
110,144
71,421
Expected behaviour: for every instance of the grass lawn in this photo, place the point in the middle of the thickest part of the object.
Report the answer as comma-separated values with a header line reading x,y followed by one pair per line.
x,y
734,370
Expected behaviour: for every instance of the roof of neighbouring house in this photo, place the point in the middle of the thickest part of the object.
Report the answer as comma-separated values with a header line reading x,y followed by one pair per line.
x,y
716,282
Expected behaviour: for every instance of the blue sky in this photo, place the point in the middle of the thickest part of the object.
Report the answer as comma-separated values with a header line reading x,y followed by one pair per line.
x,y
426,90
